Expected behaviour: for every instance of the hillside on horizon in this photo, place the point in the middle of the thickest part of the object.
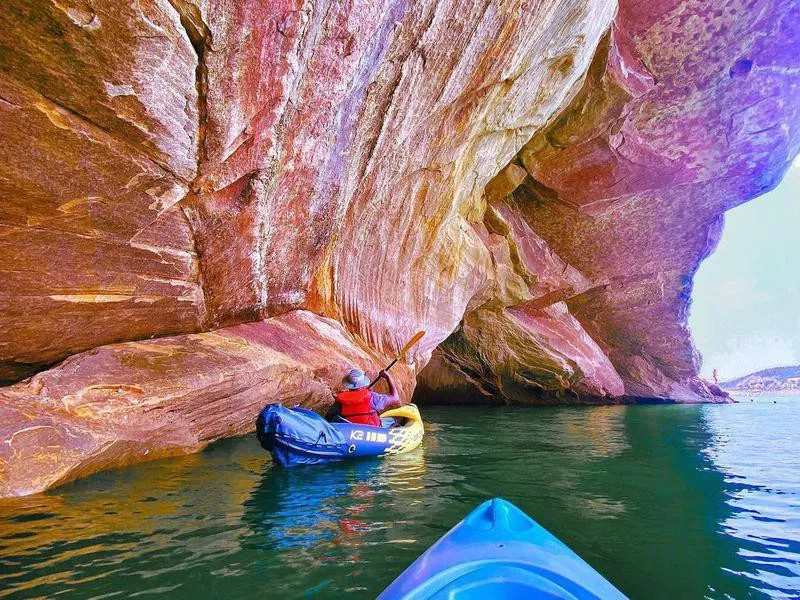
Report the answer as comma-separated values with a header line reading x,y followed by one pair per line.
x,y
776,379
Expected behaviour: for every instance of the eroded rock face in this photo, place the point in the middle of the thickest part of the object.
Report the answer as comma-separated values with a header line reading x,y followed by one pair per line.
x,y
136,401
534,184
686,111
98,122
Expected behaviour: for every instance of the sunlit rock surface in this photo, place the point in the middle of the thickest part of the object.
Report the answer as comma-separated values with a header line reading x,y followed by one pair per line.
x,y
533,183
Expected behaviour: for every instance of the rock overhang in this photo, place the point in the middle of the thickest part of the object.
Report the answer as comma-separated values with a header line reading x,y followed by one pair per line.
x,y
533,185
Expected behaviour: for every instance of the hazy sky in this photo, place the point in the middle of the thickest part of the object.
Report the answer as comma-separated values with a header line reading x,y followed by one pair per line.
x,y
746,310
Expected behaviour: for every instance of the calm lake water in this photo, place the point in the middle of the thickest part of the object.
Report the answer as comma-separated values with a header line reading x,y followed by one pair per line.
x,y
666,501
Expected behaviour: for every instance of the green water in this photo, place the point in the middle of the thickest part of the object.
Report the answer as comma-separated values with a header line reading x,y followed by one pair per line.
x,y
665,501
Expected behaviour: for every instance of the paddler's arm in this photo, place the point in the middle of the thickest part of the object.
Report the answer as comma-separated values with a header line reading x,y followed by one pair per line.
x,y
392,400
333,412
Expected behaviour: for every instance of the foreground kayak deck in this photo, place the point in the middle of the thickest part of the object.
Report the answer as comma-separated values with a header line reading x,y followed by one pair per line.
x,y
498,551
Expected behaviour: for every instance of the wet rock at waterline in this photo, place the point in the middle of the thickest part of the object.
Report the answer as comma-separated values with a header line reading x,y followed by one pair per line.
x,y
133,401
533,184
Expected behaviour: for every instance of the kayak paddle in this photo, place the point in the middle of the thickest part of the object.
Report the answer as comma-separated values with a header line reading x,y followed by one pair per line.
x,y
411,343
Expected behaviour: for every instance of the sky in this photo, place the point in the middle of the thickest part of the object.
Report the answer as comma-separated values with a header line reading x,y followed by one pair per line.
x,y
745,313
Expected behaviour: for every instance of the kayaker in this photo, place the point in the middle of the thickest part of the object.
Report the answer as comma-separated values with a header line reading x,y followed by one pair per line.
x,y
358,403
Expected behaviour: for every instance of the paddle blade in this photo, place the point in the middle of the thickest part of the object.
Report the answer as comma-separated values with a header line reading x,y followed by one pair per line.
x,y
411,343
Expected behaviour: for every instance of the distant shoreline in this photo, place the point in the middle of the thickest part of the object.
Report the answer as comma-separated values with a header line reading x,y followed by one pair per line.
x,y
775,381
737,394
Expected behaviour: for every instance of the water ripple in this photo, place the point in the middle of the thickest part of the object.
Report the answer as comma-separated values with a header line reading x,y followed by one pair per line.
x,y
668,502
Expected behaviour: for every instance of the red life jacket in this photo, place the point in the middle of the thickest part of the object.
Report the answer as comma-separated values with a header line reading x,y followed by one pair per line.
x,y
356,407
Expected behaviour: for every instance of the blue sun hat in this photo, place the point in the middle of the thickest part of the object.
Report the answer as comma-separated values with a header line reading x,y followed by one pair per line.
x,y
355,380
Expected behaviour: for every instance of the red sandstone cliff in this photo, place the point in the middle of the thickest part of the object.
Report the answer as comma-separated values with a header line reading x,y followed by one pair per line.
x,y
307,184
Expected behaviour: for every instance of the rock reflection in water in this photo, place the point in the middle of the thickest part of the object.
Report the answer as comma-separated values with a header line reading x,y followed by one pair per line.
x,y
121,522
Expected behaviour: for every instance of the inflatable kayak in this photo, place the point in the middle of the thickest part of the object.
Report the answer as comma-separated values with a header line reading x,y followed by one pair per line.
x,y
498,551
295,436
